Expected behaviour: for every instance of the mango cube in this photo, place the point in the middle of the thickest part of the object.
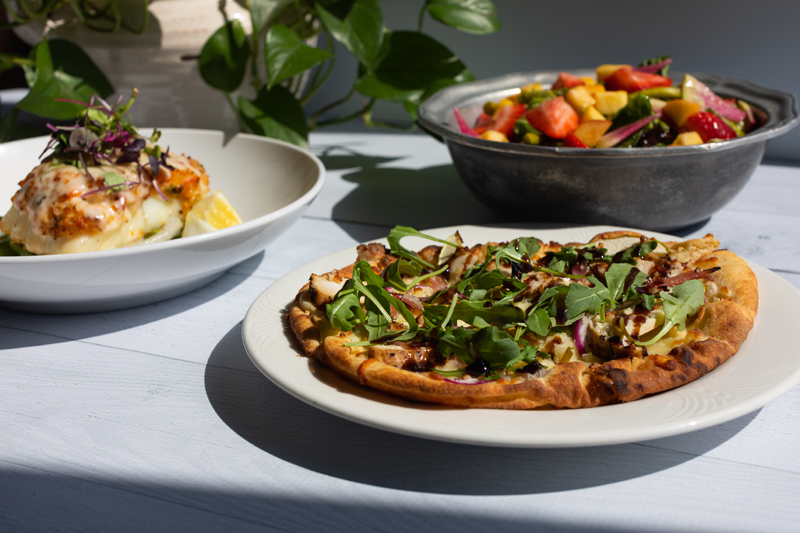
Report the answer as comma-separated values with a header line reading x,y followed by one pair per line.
x,y
678,111
604,71
688,138
493,135
609,102
590,132
532,88
594,89
591,113
579,98
588,80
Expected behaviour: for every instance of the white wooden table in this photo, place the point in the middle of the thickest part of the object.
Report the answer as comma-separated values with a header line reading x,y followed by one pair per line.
x,y
154,419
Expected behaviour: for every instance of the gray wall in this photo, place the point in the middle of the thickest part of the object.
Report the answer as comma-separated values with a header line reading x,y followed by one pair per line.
x,y
758,41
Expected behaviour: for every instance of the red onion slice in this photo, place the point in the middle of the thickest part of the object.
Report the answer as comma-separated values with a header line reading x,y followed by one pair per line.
x,y
465,129
652,69
581,328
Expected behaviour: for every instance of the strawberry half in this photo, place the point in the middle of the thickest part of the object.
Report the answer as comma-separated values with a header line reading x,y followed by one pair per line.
x,y
625,79
554,117
709,126
573,142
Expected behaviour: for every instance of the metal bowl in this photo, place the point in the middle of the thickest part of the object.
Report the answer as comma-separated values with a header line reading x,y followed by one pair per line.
x,y
651,188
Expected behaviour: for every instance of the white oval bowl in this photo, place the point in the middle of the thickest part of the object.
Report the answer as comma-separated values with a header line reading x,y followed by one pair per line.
x,y
269,182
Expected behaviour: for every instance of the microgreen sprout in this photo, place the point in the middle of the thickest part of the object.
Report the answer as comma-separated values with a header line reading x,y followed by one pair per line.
x,y
103,134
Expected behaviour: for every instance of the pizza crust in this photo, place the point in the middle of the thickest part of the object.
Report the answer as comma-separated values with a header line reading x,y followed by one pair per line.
x,y
714,335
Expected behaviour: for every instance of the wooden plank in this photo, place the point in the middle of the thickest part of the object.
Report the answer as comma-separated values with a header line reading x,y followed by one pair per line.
x,y
167,436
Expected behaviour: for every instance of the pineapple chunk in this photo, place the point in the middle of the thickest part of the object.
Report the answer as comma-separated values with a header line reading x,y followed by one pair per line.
x,y
609,102
604,71
579,98
588,80
678,111
591,113
493,135
532,88
590,132
688,138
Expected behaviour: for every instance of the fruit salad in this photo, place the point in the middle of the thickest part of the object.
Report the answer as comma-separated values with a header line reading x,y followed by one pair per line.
x,y
623,106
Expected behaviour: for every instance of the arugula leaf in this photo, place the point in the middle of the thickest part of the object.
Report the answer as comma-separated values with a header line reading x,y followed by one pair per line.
x,y
496,347
686,299
376,325
638,281
629,254
503,316
399,232
528,354
457,341
518,249
400,268
539,322
638,107
615,279
582,299
656,60
345,312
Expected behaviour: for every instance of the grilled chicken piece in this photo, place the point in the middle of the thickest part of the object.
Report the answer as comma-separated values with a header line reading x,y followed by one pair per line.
x,y
407,358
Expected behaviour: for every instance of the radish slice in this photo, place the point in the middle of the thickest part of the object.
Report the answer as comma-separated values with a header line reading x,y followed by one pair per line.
x,y
695,91
581,327
652,69
466,130
615,137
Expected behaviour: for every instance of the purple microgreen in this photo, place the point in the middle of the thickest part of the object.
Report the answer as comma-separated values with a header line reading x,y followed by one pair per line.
x,y
51,127
83,163
158,190
154,170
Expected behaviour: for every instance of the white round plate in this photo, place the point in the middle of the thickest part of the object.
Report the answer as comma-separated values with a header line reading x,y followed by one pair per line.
x,y
765,367
270,183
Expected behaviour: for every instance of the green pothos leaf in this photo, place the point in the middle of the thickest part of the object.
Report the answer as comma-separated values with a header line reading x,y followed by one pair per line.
x,y
471,16
276,113
360,30
286,55
223,59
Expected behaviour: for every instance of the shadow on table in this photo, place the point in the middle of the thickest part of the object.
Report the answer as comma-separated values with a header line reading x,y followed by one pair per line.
x,y
42,501
389,196
287,428
52,329
422,198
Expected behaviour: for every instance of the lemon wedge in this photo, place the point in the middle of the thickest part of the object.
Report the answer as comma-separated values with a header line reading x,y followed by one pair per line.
x,y
213,212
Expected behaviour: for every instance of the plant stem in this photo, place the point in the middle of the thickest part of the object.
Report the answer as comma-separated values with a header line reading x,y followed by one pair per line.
x,y
317,81
372,123
347,118
236,111
334,104
421,16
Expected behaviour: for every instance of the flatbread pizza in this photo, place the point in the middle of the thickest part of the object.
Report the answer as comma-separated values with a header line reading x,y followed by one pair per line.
x,y
528,324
